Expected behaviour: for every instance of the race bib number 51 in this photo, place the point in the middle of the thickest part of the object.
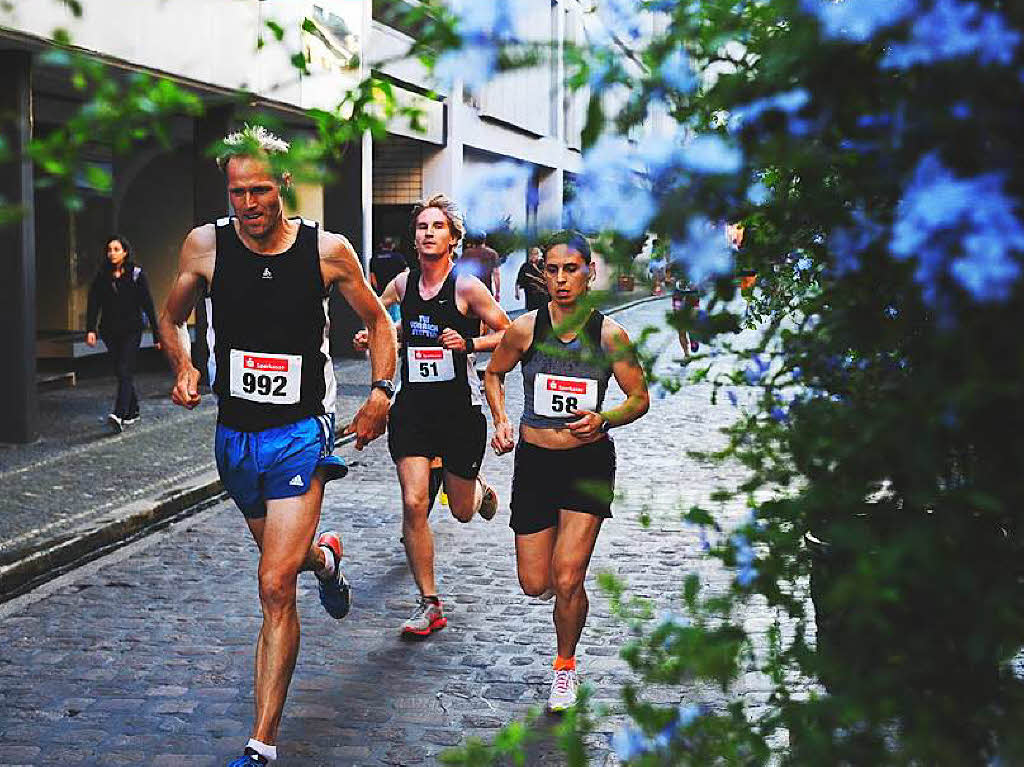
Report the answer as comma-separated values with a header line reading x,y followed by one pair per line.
x,y
562,396
429,364
274,379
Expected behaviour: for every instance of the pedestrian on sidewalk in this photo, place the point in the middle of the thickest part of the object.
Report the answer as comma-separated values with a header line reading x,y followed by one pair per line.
x,y
118,298
267,279
531,280
437,412
563,479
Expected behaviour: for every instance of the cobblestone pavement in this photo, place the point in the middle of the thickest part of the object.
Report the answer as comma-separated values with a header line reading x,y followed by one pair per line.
x,y
145,656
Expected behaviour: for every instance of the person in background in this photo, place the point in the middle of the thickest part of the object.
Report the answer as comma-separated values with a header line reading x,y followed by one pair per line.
x,y
482,262
385,265
118,297
531,280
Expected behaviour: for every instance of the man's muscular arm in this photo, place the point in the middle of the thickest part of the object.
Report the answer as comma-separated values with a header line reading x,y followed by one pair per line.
x,y
481,303
195,270
339,265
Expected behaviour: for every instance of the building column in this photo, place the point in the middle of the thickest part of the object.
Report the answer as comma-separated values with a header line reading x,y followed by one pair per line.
x,y
210,202
19,415
442,170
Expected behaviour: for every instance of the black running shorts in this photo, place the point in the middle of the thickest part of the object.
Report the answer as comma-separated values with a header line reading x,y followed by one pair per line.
x,y
458,437
544,481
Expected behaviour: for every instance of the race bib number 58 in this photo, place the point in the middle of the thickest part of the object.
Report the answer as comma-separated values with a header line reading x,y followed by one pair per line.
x,y
274,379
428,364
562,396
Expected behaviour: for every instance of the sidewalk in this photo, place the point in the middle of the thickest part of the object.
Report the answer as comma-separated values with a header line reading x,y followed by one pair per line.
x,y
80,489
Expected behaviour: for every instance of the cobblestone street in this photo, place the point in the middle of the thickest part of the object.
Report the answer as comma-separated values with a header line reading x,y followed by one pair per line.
x,y
145,656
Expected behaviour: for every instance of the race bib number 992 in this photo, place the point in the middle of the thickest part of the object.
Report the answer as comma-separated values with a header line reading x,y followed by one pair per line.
x,y
273,379
562,396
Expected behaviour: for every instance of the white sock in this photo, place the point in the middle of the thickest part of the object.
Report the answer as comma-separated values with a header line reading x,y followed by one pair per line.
x,y
269,752
328,570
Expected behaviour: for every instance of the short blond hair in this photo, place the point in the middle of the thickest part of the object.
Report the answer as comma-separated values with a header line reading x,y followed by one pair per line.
x,y
448,206
251,141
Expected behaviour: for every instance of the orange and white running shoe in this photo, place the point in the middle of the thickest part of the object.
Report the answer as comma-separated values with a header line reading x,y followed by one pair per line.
x,y
425,619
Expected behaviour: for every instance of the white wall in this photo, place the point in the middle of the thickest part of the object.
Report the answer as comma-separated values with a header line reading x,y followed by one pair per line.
x,y
209,41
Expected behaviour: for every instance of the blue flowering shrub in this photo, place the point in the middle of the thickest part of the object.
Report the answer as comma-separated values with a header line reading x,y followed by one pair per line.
x,y
872,151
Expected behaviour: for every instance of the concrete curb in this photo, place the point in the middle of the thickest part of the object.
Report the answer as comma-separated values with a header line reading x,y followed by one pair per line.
x,y
112,529
122,524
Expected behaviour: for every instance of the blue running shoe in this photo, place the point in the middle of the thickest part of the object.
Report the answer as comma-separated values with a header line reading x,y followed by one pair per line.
x,y
335,593
249,759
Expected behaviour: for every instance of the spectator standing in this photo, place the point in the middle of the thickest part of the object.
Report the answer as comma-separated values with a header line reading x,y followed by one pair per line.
x,y
385,265
531,280
118,297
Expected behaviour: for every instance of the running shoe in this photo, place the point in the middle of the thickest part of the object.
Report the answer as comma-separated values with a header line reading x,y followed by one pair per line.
x,y
563,691
249,759
488,502
115,423
425,619
335,593
128,420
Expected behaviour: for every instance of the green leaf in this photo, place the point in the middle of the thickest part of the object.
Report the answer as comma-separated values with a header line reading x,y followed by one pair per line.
x,y
275,29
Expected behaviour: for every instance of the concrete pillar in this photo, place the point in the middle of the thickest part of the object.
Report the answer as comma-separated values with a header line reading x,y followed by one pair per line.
x,y
210,202
19,413
442,170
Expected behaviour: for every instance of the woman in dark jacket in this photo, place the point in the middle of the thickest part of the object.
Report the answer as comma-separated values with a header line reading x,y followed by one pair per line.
x,y
118,297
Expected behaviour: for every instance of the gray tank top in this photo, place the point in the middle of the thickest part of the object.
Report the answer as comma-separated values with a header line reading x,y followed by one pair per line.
x,y
561,377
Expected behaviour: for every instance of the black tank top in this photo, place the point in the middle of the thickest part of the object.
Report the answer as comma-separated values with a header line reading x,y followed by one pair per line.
x,y
561,377
438,379
268,325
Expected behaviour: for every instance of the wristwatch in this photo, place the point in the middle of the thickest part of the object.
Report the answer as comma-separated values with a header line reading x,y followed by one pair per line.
x,y
385,386
470,346
605,426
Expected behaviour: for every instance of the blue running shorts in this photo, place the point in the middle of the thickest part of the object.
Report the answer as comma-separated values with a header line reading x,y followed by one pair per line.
x,y
257,467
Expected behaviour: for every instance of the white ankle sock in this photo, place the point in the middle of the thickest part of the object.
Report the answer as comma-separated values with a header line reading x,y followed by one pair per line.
x,y
270,752
328,570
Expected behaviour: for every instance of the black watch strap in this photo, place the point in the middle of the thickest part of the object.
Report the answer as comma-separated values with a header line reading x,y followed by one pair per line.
x,y
385,386
605,426
470,346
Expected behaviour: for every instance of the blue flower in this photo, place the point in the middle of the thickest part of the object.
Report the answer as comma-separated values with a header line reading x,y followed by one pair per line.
x,y
486,194
892,312
621,18
961,110
745,558
629,743
953,29
689,714
966,226
705,252
858,20
709,153
758,193
847,243
610,193
803,264
677,73
787,102
779,415
732,397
